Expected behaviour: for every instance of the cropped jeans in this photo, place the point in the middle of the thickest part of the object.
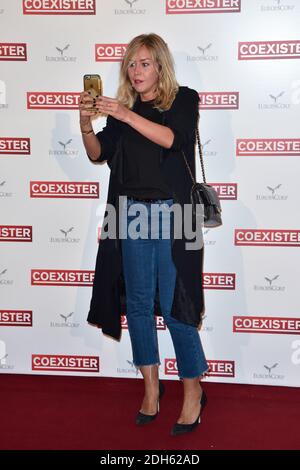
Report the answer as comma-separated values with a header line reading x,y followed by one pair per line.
x,y
147,261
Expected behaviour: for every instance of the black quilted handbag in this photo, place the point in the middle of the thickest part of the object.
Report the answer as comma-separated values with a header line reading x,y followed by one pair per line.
x,y
204,195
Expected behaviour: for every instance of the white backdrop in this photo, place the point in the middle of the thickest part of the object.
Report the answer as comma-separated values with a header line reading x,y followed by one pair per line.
x,y
242,56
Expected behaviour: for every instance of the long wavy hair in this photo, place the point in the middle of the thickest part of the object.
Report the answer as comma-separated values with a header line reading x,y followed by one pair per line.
x,y
167,85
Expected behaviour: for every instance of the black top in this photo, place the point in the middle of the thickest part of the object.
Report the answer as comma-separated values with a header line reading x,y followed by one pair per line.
x,y
142,174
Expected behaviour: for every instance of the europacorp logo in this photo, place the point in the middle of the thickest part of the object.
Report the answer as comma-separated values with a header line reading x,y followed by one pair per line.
x,y
277,5
128,368
203,53
3,103
208,235
131,7
64,148
207,148
4,357
269,372
65,235
5,279
205,326
271,284
273,193
4,189
275,100
65,321
61,53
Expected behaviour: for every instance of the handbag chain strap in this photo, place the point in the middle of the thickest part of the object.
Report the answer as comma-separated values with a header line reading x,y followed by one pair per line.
x,y
200,154
201,159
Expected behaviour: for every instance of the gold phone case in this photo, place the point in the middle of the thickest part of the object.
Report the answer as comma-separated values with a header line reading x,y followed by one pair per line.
x,y
93,84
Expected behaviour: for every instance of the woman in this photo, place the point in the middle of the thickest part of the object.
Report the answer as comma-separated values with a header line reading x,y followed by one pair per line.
x,y
149,124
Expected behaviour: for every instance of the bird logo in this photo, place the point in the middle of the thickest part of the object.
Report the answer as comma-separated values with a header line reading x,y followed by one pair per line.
x,y
3,272
2,359
131,363
274,189
205,143
62,50
2,183
65,317
270,368
203,49
65,144
276,97
130,2
65,232
271,280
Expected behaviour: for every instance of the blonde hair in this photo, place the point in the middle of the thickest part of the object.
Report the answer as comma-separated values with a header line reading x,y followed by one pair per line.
x,y
167,85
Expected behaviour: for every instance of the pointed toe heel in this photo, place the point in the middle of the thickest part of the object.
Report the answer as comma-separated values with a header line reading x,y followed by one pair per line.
x,y
141,418
186,428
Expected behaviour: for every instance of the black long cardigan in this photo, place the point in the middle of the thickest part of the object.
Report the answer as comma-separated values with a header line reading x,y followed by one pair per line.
x,y
108,301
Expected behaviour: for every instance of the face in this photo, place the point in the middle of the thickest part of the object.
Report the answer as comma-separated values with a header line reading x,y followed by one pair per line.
x,y
142,74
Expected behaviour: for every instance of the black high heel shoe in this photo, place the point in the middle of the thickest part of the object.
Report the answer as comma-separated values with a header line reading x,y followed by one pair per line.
x,y
142,418
184,428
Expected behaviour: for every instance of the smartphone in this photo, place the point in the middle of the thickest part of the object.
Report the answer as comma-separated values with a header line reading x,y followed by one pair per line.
x,y
93,84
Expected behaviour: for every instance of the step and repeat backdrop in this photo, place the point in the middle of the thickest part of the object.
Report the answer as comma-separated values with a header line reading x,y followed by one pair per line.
x,y
242,56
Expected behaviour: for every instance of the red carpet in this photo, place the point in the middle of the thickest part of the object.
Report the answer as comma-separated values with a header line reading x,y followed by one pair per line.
x,y
48,412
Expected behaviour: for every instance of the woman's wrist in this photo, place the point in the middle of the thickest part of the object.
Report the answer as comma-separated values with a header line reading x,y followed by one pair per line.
x,y
129,117
86,128
87,131
85,125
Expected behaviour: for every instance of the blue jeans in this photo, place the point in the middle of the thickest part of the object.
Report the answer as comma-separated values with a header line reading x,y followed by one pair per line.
x,y
147,261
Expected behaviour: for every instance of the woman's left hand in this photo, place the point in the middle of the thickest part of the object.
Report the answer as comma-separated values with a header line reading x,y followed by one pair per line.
x,y
112,107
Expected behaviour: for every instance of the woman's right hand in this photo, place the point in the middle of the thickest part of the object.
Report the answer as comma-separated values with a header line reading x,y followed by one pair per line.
x,y
86,101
